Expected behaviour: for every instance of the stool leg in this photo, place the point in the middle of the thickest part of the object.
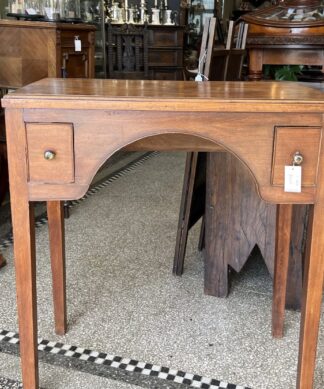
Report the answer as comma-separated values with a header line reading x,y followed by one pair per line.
x,y
55,213
217,217
283,232
312,298
2,261
201,244
183,224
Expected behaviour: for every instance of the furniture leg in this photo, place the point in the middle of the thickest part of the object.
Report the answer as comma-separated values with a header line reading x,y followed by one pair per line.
x,y
283,232
55,213
185,207
24,247
216,265
66,209
25,264
296,257
201,243
312,298
2,261
255,64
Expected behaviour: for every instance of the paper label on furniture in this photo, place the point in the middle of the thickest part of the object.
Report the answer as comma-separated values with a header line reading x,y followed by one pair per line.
x,y
293,179
77,44
48,12
31,11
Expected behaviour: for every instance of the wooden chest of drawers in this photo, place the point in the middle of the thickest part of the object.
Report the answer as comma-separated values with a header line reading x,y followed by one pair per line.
x,y
165,54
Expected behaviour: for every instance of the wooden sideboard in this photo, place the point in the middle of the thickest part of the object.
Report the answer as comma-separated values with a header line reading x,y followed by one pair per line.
x,y
30,51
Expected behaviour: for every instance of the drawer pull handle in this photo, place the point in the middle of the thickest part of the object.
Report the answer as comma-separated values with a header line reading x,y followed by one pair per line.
x,y
298,158
49,155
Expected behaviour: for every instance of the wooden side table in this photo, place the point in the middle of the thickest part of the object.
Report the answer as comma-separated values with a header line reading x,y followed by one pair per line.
x,y
55,121
277,36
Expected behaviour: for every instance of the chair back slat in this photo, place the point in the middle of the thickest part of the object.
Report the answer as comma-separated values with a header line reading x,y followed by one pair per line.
x,y
210,45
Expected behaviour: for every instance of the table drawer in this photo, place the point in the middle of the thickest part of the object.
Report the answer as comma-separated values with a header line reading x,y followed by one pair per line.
x,y
289,140
50,152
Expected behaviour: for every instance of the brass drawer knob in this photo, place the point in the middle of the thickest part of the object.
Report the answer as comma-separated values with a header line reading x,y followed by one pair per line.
x,y
49,155
298,158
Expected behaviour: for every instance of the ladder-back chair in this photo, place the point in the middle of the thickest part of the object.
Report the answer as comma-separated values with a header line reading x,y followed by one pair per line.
x,y
127,47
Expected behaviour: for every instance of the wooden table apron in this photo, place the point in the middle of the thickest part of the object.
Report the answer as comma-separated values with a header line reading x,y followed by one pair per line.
x,y
85,122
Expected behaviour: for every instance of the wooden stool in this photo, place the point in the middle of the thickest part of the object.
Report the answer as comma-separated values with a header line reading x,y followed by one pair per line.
x,y
236,220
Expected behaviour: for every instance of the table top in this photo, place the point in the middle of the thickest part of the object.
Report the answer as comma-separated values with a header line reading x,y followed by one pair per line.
x,y
168,95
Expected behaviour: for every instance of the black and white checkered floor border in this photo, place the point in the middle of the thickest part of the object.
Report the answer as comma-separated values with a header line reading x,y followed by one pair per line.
x,y
126,364
103,359
42,220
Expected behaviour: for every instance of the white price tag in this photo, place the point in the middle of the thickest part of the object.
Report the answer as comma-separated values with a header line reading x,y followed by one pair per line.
x,y
31,11
77,44
49,12
293,179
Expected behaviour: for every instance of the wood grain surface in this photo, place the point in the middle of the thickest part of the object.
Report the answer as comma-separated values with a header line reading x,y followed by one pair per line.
x,y
108,115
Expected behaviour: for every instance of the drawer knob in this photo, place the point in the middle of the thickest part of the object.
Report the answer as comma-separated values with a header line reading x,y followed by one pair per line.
x,y
49,155
298,158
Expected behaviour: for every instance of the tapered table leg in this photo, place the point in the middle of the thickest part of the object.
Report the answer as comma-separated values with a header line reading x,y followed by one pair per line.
x,y
25,264
283,232
24,247
55,214
312,298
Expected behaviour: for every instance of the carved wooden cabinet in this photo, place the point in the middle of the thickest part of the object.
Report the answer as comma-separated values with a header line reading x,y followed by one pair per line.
x,y
30,51
163,56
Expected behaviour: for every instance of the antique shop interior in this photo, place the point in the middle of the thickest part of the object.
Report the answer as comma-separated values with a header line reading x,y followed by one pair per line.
x,y
166,271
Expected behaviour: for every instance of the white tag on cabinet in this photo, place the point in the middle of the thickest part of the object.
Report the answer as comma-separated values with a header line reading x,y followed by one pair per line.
x,y
293,179
77,44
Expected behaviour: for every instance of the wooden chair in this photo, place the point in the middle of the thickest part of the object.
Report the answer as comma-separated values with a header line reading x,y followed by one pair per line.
x,y
127,47
203,191
219,65
206,49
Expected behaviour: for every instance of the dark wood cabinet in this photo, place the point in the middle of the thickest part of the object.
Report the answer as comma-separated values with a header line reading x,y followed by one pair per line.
x,y
30,51
165,52
162,51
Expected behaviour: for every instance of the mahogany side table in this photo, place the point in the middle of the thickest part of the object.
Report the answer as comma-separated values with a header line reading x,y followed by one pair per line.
x,y
51,124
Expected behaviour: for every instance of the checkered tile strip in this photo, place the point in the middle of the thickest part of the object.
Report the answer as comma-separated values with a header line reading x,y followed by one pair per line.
x,y
8,240
127,364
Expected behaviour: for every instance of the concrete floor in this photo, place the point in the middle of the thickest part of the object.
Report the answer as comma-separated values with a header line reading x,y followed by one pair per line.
x,y
123,299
